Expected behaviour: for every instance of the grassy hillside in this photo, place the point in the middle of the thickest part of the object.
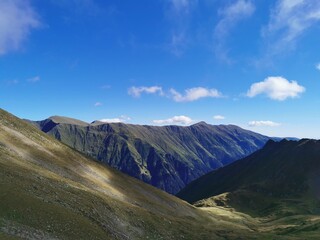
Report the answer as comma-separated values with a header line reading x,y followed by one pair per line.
x,y
279,183
166,157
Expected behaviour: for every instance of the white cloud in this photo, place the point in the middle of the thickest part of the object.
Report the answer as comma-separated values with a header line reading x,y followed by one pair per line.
x,y
180,5
34,79
318,66
289,19
229,17
17,19
98,104
178,43
263,124
276,88
175,120
120,119
137,91
193,94
219,117
179,14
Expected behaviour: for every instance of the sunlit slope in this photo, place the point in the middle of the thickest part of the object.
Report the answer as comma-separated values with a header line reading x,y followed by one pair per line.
x,y
166,157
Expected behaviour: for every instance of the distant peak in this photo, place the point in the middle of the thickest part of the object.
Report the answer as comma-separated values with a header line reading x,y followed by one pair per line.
x,y
67,120
201,123
270,142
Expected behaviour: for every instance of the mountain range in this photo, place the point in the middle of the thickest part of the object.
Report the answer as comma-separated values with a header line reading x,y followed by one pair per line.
x,y
50,191
167,157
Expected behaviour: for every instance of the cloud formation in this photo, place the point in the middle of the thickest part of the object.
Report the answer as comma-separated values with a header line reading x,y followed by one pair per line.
x,y
34,79
98,104
193,94
17,19
219,117
263,124
120,119
229,17
276,88
184,120
180,5
318,66
289,19
179,13
137,91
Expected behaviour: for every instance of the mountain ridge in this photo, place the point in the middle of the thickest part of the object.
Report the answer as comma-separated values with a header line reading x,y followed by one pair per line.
x,y
167,157
49,191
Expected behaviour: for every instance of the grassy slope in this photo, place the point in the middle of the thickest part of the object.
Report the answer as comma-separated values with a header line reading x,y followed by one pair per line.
x,y
278,185
166,157
49,191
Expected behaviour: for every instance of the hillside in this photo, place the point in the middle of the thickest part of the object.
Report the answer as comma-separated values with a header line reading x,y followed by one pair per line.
x,y
166,157
278,184
281,178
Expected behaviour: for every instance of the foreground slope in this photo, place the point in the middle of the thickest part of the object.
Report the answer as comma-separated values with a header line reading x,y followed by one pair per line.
x,y
166,157
49,191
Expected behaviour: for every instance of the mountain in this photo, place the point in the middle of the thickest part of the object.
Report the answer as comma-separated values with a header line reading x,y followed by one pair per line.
x,y
50,191
166,157
281,180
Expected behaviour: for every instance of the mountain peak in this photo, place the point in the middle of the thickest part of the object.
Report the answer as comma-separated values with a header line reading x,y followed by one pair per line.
x,y
202,123
67,120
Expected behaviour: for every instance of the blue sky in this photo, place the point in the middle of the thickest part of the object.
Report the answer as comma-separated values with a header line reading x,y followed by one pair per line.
x,y
253,63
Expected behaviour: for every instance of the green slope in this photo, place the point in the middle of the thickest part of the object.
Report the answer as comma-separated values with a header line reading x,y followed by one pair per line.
x,y
166,157
279,183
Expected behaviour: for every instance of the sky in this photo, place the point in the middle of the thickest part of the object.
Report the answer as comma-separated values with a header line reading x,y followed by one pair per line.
x,y
252,63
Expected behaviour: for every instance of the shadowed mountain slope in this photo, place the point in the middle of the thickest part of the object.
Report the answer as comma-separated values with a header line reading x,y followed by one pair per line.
x,y
286,172
166,157
279,184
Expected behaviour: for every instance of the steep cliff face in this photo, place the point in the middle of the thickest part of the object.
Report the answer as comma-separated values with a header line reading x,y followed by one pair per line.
x,y
167,157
